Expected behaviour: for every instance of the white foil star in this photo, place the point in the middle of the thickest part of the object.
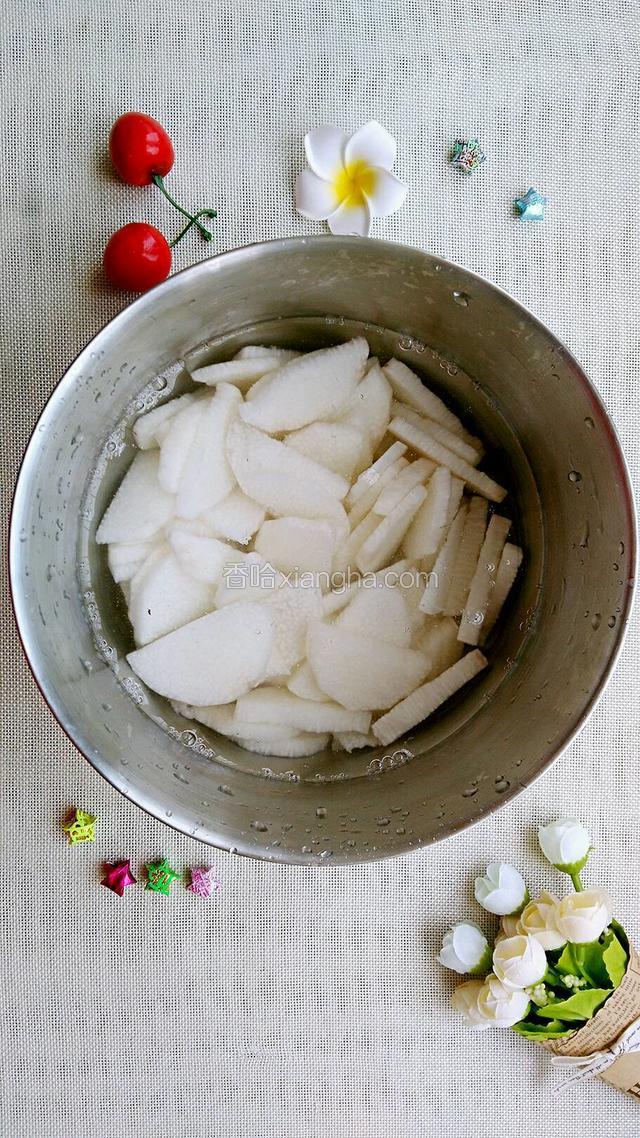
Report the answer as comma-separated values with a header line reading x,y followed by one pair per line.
x,y
349,178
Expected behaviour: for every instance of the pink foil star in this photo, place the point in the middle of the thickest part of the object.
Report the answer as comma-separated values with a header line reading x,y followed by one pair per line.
x,y
118,876
203,881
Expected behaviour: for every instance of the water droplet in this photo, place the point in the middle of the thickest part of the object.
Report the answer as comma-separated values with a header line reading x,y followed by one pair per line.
x,y
611,622
575,476
461,298
595,620
324,854
616,567
261,827
401,830
469,792
405,343
306,850
588,422
87,665
107,707
321,812
233,849
382,821
501,784
222,789
621,548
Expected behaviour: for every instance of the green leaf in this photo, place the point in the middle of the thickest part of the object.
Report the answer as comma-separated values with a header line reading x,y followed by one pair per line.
x,y
615,959
585,961
580,1006
554,1029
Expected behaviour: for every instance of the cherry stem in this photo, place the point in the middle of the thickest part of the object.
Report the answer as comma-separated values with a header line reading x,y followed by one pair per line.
x,y
192,222
193,219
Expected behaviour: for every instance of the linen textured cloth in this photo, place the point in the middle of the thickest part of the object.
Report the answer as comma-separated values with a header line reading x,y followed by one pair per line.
x,y
300,1003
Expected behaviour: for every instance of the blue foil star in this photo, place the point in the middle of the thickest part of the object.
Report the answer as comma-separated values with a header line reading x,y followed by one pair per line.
x,y
531,207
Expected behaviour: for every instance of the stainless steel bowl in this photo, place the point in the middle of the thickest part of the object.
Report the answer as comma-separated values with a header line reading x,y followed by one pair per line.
x,y
555,448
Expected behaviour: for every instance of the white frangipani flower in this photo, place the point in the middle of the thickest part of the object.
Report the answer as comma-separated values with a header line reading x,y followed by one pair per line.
x,y
349,180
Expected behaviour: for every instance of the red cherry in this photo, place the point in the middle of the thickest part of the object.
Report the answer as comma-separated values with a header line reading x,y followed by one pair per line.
x,y
137,257
140,147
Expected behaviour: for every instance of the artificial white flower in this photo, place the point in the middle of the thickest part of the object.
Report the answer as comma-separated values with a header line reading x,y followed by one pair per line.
x,y
349,178
465,949
583,917
519,962
465,1001
565,843
502,891
509,926
500,1005
537,920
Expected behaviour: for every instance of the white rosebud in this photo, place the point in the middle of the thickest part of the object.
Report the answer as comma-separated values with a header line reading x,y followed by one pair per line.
x,y
583,917
502,891
465,1001
565,844
509,926
519,961
499,1005
537,920
465,949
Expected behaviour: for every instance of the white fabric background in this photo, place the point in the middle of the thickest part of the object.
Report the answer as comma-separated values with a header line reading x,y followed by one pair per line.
x,y
302,1003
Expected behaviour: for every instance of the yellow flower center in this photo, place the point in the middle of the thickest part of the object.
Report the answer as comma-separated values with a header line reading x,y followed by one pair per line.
x,y
353,182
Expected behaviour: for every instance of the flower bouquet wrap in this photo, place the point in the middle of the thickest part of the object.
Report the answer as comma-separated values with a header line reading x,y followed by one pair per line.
x,y
561,970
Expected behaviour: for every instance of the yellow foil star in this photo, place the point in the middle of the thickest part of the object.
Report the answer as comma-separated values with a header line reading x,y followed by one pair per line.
x,y
349,180
80,828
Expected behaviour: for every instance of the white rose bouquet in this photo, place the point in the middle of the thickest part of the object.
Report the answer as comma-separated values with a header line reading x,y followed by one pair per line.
x,y
555,963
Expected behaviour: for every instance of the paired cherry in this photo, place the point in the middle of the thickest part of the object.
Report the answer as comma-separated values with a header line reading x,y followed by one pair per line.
x,y
138,256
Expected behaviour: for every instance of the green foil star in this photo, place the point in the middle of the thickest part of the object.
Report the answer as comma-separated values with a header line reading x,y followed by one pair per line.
x,y
80,828
160,877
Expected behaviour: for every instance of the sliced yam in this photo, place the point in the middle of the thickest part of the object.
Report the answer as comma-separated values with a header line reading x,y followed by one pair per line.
x,y
378,549
301,544
206,477
203,558
425,534
293,608
455,498
409,388
367,500
274,705
415,474
337,446
470,452
242,373
250,578
372,474
260,352
464,566
299,746
484,580
422,703
303,683
345,556
378,610
352,741
236,517
334,602
361,672
411,585
439,579
315,386
369,410
214,659
219,717
126,557
163,597
176,444
140,507
254,457
439,643
425,444
145,429
510,563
